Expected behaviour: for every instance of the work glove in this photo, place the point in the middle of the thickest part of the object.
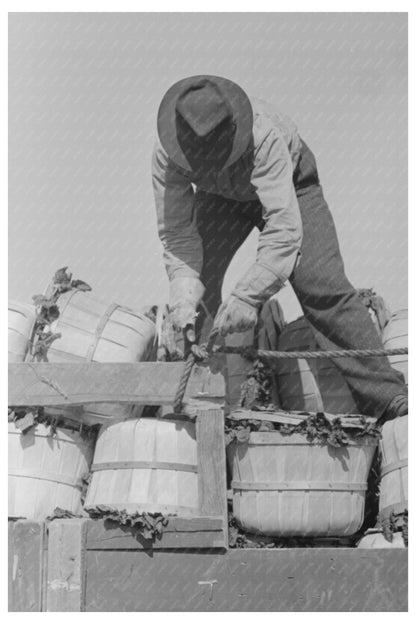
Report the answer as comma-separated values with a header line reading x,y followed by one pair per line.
x,y
169,343
184,296
235,316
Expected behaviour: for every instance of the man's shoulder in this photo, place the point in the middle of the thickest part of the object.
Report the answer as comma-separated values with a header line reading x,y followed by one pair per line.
x,y
268,122
264,108
260,106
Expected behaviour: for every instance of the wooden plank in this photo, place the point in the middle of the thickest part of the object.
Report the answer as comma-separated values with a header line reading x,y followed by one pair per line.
x,y
44,580
192,407
199,532
26,547
175,524
287,418
294,418
66,565
132,539
10,559
204,384
280,580
68,384
104,534
153,383
212,464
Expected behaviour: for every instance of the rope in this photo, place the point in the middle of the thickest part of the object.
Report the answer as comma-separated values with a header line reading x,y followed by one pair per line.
x,y
250,353
189,364
198,353
204,352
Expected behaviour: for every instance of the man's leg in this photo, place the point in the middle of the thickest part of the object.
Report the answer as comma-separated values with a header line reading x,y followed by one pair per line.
x,y
338,317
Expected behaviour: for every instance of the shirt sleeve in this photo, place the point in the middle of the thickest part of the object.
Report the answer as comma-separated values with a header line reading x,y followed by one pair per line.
x,y
174,199
280,240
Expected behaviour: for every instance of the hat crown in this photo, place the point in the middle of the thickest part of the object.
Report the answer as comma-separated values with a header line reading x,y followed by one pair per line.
x,y
203,106
181,117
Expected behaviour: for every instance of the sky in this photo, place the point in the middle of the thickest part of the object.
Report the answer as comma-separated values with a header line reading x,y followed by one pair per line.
x,y
84,90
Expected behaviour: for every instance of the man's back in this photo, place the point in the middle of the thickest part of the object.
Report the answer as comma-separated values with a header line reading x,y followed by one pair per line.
x,y
270,128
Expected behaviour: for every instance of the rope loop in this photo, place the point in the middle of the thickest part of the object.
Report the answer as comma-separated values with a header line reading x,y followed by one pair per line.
x,y
202,353
189,364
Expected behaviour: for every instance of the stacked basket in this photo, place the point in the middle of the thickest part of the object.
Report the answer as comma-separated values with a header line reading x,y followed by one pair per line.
x,y
50,459
293,485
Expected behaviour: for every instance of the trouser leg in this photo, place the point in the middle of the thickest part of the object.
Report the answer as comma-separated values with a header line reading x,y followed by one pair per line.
x,y
338,317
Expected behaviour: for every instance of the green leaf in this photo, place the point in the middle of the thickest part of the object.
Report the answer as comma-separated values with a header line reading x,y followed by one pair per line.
x,y
148,525
62,276
80,285
25,423
50,312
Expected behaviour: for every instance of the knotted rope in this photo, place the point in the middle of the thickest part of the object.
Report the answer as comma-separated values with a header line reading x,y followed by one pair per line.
x,y
204,352
195,354
251,353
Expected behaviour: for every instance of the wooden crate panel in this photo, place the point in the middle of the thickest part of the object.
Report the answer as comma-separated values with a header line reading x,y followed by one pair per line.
x,y
200,532
67,384
66,583
27,543
296,580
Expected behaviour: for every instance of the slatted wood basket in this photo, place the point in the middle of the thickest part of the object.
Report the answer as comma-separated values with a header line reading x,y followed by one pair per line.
x,y
92,331
395,336
284,485
45,471
21,322
394,467
146,465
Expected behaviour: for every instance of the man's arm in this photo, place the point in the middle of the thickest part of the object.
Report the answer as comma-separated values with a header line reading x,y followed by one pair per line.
x,y
174,198
279,242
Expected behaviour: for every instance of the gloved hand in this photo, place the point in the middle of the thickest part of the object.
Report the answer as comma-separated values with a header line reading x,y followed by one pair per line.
x,y
169,343
185,295
235,315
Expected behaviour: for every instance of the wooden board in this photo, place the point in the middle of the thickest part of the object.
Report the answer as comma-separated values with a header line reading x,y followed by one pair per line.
x,y
154,383
199,532
292,580
204,384
212,485
151,383
294,418
89,576
66,581
27,541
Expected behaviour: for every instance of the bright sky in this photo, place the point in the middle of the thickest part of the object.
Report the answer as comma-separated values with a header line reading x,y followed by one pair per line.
x,y
84,93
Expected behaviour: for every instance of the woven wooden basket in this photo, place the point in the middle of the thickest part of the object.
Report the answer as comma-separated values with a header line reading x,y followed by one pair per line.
x,y
46,471
92,331
284,485
146,465
394,467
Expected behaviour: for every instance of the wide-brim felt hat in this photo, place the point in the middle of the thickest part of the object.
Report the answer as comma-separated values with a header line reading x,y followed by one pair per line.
x,y
234,97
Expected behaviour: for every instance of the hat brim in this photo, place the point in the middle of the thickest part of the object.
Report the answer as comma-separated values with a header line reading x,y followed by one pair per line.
x,y
242,114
